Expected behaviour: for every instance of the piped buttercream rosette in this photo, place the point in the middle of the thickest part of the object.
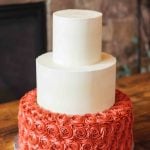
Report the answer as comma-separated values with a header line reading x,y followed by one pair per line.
x,y
44,130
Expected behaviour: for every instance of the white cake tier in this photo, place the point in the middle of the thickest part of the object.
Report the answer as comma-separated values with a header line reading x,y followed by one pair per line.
x,y
77,37
76,90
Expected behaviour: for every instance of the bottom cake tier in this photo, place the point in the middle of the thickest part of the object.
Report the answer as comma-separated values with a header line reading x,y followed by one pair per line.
x,y
40,129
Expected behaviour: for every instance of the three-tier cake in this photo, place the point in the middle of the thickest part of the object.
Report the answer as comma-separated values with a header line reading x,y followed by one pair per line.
x,y
75,105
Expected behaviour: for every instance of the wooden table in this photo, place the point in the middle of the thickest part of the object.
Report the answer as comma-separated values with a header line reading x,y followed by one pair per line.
x,y
137,87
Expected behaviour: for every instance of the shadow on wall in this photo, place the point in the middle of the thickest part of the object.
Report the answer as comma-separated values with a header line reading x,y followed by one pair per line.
x,y
22,39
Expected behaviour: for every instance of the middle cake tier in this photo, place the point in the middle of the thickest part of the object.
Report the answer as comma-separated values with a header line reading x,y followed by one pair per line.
x,y
75,90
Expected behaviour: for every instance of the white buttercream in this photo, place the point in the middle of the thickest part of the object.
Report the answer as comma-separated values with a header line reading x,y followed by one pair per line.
x,y
76,90
77,37
76,78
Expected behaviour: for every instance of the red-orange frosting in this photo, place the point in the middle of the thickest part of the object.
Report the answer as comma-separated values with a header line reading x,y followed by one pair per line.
x,y
40,129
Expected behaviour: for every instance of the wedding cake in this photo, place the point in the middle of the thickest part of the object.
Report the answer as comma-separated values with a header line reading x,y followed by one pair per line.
x,y
75,105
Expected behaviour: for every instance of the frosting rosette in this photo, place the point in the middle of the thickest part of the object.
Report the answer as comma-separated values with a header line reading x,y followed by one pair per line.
x,y
87,145
72,145
80,132
66,132
52,130
45,130
94,131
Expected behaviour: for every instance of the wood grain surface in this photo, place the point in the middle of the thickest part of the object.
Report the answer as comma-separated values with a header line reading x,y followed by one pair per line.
x,y
137,87
8,124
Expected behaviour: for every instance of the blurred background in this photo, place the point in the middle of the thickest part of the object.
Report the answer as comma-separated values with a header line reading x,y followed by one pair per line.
x,y
126,30
26,32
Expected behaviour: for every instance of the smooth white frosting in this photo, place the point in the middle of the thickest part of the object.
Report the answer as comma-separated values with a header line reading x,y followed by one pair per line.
x,y
77,37
76,78
76,90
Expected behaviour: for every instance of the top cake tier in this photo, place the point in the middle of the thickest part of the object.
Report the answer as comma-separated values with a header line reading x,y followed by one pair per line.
x,y
77,37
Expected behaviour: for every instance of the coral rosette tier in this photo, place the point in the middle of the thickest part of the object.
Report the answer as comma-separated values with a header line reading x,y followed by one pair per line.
x,y
44,130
